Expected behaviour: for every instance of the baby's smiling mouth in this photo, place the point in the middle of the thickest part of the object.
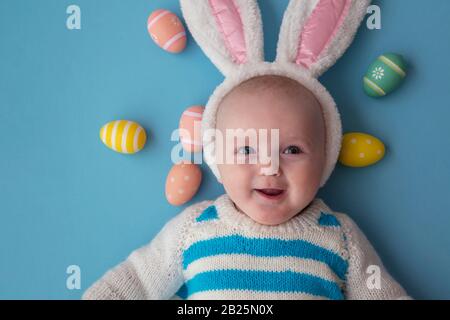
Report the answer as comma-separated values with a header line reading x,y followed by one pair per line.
x,y
272,194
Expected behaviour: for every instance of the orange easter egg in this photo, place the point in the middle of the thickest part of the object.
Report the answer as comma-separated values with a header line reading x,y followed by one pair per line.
x,y
182,183
190,129
167,31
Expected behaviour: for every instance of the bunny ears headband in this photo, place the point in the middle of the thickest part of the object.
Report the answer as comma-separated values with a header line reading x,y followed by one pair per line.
x,y
313,36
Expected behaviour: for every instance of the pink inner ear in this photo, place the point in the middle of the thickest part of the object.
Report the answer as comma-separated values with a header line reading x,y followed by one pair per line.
x,y
230,26
320,29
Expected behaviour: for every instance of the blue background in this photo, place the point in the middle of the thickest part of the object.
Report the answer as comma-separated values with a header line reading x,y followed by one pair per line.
x,y
66,199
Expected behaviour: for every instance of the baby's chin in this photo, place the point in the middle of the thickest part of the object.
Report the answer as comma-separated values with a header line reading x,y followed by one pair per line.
x,y
270,216
268,212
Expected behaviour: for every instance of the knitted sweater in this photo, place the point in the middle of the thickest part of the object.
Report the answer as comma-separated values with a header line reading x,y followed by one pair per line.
x,y
211,250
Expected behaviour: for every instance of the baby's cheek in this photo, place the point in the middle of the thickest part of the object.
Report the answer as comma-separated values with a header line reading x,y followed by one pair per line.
x,y
305,183
311,168
234,177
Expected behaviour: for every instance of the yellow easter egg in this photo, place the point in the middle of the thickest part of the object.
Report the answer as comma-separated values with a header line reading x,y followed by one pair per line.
x,y
361,150
123,136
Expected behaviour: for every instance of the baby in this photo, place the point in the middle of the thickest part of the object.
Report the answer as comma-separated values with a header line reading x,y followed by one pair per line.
x,y
268,236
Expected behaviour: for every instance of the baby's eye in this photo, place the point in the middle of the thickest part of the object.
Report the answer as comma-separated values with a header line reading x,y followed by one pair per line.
x,y
246,150
292,150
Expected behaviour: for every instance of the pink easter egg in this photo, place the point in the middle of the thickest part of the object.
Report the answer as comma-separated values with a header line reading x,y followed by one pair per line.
x,y
182,183
190,129
167,31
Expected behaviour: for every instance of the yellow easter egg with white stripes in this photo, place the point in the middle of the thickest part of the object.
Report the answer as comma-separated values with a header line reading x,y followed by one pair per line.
x,y
123,136
361,150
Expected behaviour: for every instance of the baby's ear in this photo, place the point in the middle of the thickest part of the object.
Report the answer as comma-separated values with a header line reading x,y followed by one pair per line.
x,y
316,33
228,31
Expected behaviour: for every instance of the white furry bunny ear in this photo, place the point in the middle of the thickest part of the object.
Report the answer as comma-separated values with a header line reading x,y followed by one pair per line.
x,y
316,33
228,31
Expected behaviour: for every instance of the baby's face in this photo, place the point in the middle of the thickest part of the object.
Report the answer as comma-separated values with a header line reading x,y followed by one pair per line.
x,y
268,194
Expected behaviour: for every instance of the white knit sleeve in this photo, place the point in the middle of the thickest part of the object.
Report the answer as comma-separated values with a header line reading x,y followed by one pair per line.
x,y
153,272
367,278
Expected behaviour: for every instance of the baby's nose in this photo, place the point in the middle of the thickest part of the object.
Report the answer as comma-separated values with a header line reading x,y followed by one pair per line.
x,y
273,169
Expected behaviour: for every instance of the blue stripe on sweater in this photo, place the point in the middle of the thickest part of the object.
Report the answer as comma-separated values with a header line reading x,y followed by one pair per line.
x,y
286,281
261,247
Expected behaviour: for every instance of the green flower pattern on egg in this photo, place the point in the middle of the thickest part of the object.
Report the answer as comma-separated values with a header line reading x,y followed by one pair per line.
x,y
385,75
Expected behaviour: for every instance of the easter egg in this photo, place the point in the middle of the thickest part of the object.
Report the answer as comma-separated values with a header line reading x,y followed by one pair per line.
x,y
361,150
385,75
167,31
182,183
123,136
190,129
